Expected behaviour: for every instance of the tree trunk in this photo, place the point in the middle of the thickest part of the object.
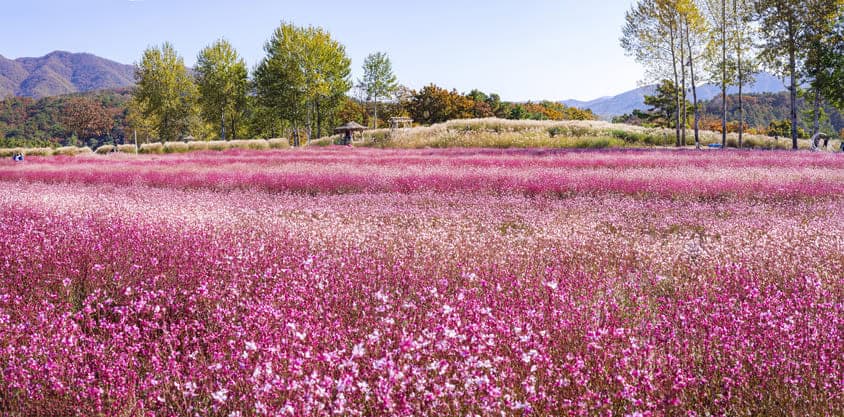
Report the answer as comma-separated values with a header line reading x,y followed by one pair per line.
x,y
318,120
694,89
816,126
740,77
792,67
724,74
376,113
223,124
683,86
676,84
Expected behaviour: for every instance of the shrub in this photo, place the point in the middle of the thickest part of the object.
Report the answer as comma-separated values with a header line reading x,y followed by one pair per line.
x,y
198,145
37,151
151,148
217,145
175,147
254,144
9,152
278,143
71,150
127,148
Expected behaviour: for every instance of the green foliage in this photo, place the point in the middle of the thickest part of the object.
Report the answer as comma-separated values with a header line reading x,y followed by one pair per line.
x,y
378,79
782,128
165,93
25,122
303,78
222,82
831,56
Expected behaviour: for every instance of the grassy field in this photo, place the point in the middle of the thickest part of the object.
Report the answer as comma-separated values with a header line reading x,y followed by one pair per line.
x,y
468,133
498,133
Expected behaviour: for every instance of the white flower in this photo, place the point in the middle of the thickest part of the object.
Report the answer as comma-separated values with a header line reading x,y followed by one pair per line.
x,y
221,396
251,346
358,350
552,285
447,309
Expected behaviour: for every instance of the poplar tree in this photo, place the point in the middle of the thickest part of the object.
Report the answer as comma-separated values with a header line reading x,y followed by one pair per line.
x,y
653,37
782,31
378,79
302,77
221,77
165,93
819,32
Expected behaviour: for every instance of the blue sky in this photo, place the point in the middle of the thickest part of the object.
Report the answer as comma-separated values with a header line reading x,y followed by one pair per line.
x,y
528,49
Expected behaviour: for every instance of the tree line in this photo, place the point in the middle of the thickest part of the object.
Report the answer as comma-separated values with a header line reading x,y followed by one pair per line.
x,y
683,43
300,89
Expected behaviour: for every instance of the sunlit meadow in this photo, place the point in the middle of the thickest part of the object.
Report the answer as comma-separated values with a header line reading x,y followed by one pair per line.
x,y
430,282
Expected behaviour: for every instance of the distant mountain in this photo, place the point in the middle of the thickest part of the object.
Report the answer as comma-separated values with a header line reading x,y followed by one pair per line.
x,y
607,107
61,73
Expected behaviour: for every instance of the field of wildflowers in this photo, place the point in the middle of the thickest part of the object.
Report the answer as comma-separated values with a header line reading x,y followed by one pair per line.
x,y
423,282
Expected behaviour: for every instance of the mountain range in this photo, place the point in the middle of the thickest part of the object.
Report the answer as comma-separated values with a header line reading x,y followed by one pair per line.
x,y
607,107
60,73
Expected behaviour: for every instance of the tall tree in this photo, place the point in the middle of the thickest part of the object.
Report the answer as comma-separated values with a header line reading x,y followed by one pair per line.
x,y
833,54
378,79
652,36
165,92
694,33
782,33
820,28
221,77
304,76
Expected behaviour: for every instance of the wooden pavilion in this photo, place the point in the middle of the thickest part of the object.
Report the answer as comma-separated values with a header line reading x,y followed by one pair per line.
x,y
348,130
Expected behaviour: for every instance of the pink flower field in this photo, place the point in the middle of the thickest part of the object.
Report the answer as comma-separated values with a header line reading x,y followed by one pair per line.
x,y
423,283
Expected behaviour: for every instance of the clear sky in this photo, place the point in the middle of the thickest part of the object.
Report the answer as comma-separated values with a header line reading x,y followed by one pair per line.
x,y
521,49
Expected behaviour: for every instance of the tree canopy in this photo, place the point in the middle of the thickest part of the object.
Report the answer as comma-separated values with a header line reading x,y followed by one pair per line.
x,y
165,93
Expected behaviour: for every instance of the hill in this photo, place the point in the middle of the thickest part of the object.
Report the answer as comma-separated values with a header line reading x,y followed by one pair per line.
x,y
59,73
608,107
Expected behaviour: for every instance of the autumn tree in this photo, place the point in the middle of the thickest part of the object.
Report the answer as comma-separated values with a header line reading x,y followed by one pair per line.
x,y
86,118
221,78
165,93
693,27
433,104
378,80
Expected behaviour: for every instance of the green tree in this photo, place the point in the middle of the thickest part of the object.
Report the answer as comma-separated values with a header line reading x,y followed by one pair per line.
x,y
832,86
303,77
164,92
663,105
378,79
820,31
221,77
782,32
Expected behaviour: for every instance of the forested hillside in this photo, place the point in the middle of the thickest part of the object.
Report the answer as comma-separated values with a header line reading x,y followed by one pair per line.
x,y
764,113
59,73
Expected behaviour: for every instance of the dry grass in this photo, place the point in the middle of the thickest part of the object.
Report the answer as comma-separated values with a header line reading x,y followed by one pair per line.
x,y
499,133
469,133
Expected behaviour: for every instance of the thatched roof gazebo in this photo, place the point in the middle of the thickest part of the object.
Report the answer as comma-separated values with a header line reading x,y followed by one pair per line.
x,y
348,130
